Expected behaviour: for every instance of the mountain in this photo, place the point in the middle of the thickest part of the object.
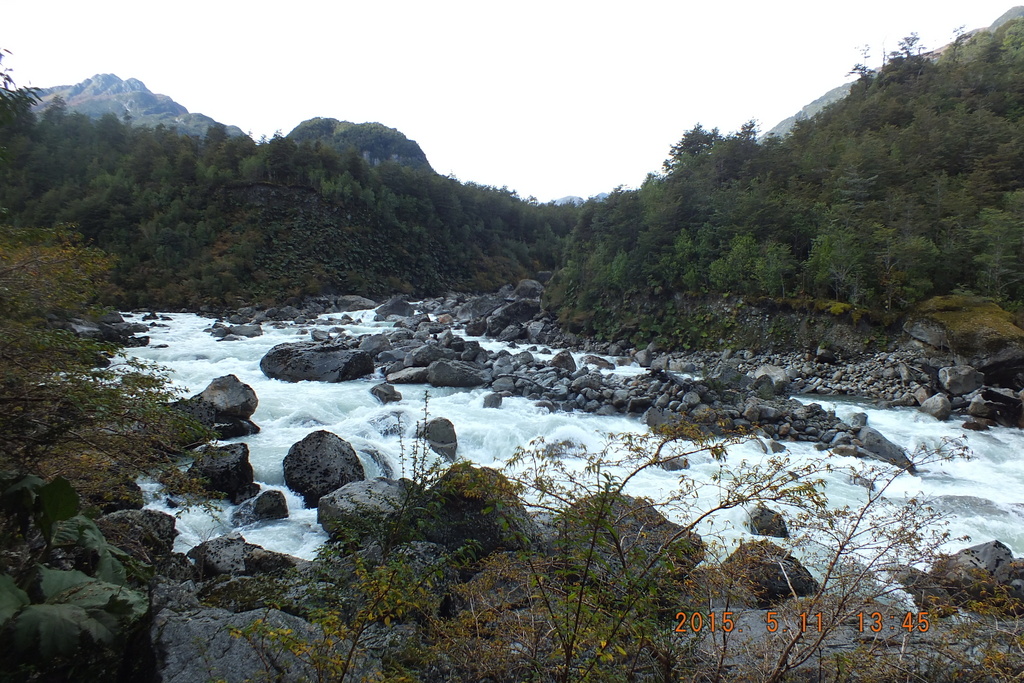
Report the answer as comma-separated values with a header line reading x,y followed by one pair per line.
x,y
375,142
782,128
107,94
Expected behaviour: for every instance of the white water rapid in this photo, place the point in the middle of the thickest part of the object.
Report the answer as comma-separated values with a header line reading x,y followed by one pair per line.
x,y
984,494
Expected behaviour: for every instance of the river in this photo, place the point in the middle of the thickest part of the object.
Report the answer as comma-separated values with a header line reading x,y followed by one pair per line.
x,y
984,496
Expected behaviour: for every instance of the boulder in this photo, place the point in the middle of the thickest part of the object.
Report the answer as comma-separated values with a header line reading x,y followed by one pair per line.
x,y
882,449
319,464
351,302
408,376
317,361
521,311
396,305
476,509
528,289
247,331
233,556
938,406
769,573
197,645
563,360
455,373
226,426
266,506
362,508
627,531
230,396
767,522
226,469
778,376
478,307
492,400
982,572
386,393
960,379
597,362
146,535
374,344
439,434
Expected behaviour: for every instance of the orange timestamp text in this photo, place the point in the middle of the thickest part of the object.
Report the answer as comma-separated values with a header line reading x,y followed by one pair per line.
x,y
874,622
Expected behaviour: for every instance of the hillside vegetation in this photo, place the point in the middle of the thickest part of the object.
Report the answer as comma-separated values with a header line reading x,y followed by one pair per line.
x,y
908,188
223,219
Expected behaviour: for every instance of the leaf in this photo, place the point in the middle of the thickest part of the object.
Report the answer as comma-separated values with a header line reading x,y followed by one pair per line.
x,y
55,581
12,598
58,502
57,629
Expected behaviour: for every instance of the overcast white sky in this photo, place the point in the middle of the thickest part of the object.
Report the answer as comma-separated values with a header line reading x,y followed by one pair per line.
x,y
548,98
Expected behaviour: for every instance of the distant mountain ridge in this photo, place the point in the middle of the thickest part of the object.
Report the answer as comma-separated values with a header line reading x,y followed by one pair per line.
x,y
782,128
107,94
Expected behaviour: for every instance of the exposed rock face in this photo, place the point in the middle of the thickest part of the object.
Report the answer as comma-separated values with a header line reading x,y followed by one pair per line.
x,y
351,302
978,332
226,469
319,464
361,508
196,645
266,506
230,396
318,361
770,573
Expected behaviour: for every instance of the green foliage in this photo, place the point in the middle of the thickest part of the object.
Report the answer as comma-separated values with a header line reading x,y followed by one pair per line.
x,y
907,188
221,219
50,613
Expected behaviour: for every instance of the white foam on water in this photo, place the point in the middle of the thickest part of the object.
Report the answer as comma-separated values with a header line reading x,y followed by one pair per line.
x,y
980,493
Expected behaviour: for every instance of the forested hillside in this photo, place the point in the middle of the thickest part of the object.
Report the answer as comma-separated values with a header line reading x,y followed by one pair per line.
x,y
223,219
912,186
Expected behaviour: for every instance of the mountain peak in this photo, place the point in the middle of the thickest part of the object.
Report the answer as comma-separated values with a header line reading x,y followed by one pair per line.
x,y
108,94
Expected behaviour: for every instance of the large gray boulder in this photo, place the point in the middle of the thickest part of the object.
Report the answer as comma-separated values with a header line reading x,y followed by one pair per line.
x,y
226,469
233,556
196,644
938,406
266,506
230,396
882,449
328,361
439,434
319,464
960,379
769,573
351,302
396,305
362,508
476,509
454,373
521,311
528,289
478,307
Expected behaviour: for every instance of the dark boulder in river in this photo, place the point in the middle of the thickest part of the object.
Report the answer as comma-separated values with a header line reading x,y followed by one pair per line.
x,y
316,361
